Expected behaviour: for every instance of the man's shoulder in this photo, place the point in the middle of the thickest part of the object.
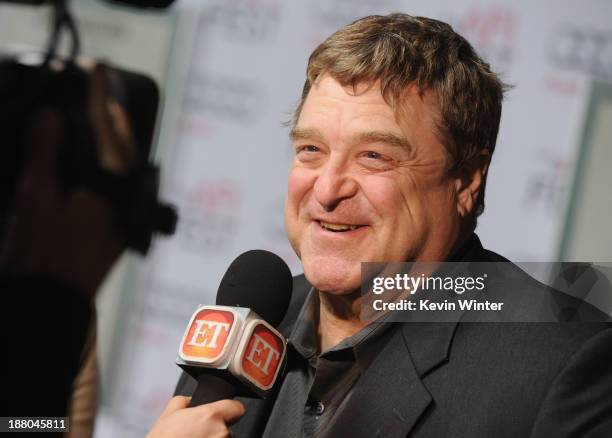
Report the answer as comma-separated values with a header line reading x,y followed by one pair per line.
x,y
536,316
528,299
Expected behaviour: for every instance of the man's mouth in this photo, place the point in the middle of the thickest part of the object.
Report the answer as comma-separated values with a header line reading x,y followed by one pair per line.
x,y
338,228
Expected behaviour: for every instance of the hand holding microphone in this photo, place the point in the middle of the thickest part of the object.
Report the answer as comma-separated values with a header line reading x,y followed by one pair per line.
x,y
206,421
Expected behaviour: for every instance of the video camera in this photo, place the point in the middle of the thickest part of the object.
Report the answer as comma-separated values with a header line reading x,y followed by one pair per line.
x,y
32,81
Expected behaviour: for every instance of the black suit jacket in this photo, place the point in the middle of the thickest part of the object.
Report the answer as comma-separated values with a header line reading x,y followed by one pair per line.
x,y
474,379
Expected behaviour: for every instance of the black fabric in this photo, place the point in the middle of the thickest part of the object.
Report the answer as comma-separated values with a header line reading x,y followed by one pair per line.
x,y
43,326
475,379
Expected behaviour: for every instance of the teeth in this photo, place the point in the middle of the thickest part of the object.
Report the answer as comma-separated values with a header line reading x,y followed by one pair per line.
x,y
337,227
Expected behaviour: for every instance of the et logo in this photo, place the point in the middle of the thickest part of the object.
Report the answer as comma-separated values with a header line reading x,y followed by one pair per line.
x,y
208,336
234,341
261,359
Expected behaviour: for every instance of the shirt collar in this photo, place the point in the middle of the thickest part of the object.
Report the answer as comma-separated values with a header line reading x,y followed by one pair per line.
x,y
304,339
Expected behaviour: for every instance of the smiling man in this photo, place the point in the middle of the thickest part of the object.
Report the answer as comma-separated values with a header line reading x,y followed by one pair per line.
x,y
367,184
377,175
393,138
370,182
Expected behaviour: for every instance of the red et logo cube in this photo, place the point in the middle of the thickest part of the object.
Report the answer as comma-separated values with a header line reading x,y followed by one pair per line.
x,y
263,355
208,335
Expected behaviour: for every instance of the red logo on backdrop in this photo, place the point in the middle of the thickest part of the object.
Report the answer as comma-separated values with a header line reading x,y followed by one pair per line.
x,y
262,356
207,335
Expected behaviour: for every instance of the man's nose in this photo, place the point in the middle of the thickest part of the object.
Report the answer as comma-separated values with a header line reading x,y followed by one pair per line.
x,y
334,185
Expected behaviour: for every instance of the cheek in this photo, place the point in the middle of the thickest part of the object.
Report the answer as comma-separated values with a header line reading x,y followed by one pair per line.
x,y
436,207
300,183
407,202
389,197
299,186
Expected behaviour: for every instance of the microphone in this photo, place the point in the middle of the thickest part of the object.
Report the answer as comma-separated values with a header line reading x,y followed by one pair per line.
x,y
232,348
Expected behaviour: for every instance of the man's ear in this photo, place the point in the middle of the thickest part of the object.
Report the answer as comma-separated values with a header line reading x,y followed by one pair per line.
x,y
470,181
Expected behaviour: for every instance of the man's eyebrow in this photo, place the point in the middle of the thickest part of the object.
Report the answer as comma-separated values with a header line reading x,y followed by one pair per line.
x,y
363,137
305,134
383,137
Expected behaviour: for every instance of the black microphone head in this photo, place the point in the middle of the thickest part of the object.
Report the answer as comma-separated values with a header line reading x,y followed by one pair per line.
x,y
259,280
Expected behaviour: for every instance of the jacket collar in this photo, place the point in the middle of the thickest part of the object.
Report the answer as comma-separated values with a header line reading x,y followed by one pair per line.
x,y
388,399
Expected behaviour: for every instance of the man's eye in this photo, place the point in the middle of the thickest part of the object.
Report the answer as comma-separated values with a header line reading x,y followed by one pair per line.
x,y
375,160
308,153
308,148
372,155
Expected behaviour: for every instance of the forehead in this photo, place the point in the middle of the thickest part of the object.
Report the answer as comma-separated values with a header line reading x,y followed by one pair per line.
x,y
328,102
336,110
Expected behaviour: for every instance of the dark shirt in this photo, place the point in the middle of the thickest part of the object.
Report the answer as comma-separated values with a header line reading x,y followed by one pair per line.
x,y
318,385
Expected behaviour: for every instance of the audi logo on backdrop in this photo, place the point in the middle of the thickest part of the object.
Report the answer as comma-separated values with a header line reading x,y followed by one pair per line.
x,y
582,49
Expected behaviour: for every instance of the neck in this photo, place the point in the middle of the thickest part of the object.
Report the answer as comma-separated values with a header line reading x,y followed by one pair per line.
x,y
338,318
339,315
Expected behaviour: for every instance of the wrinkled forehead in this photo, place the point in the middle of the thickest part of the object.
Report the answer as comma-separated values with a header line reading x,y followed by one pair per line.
x,y
334,108
403,103
413,110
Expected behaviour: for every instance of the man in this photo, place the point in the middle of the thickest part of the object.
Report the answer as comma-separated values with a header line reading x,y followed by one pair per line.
x,y
393,138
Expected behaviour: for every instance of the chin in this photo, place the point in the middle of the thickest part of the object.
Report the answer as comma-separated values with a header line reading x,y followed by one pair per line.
x,y
332,275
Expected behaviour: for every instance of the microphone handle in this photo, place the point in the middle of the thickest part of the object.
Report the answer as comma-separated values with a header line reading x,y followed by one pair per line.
x,y
212,388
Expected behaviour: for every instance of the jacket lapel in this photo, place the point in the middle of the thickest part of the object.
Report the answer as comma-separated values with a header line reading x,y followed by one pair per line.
x,y
390,397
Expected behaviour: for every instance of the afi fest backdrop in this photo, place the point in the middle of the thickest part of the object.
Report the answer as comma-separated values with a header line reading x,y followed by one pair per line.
x,y
232,71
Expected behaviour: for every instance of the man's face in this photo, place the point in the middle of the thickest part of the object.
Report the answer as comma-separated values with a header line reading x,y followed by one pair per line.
x,y
367,186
